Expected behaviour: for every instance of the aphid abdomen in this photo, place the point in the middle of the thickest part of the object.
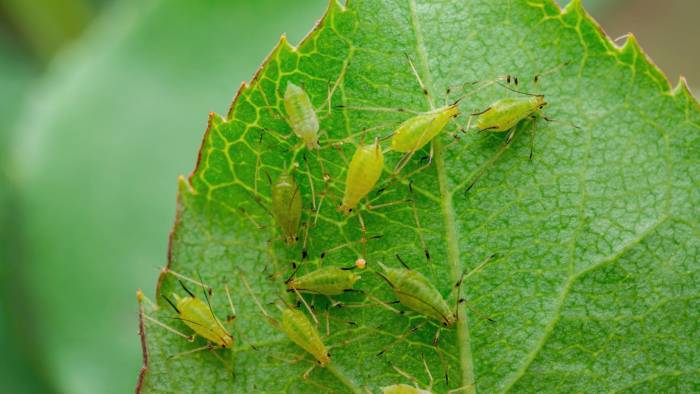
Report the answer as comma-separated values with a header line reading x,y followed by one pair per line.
x,y
416,292
417,131
403,389
302,332
199,317
506,113
364,172
301,114
327,281
286,206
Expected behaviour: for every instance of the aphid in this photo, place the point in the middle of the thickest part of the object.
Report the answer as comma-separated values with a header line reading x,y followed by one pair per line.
x,y
403,389
198,316
416,292
298,328
364,171
417,131
286,206
328,281
301,115
506,114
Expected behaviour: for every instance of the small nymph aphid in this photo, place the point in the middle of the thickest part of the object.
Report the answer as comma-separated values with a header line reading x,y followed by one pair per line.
x,y
301,115
286,206
363,173
298,328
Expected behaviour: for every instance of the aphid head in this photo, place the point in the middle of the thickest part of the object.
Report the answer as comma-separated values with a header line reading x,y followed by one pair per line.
x,y
346,210
227,342
538,101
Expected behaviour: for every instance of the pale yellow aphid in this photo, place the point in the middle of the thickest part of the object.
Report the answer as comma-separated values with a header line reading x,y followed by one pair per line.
x,y
417,131
363,173
403,389
196,313
301,115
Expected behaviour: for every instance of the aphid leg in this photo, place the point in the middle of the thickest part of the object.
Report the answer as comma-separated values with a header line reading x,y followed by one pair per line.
x,y
257,302
363,229
233,315
474,310
189,338
445,366
492,160
400,338
532,135
415,73
141,298
427,371
308,371
460,389
195,350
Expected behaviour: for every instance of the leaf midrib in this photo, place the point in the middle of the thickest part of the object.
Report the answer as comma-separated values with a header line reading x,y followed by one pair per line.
x,y
466,362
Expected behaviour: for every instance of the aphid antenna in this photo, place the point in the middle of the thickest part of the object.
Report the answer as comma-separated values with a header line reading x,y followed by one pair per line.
x,y
206,290
230,302
402,262
308,308
551,70
184,277
400,338
418,78
379,109
518,91
186,289
294,272
461,389
171,303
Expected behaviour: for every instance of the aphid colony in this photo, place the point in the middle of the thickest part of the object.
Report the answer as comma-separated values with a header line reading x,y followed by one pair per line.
x,y
412,289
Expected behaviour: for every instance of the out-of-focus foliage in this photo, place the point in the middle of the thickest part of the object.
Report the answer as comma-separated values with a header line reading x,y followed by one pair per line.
x,y
108,130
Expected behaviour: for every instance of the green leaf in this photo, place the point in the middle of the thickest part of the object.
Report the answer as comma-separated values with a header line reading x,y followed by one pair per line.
x,y
596,284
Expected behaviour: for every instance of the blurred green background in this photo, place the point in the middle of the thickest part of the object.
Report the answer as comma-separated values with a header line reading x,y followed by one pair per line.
x,y
102,105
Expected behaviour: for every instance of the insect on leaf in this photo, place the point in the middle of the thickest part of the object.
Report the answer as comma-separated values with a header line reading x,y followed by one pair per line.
x,y
596,286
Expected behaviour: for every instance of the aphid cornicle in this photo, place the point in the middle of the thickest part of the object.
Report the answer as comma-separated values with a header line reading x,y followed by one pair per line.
x,y
416,292
286,206
301,115
363,173
328,281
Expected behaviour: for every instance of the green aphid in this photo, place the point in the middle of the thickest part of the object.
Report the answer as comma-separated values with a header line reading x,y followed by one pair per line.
x,y
328,281
416,292
286,206
302,332
506,113
301,115
298,328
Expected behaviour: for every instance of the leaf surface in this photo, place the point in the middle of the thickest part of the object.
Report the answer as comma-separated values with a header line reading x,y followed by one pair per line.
x,y
595,287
